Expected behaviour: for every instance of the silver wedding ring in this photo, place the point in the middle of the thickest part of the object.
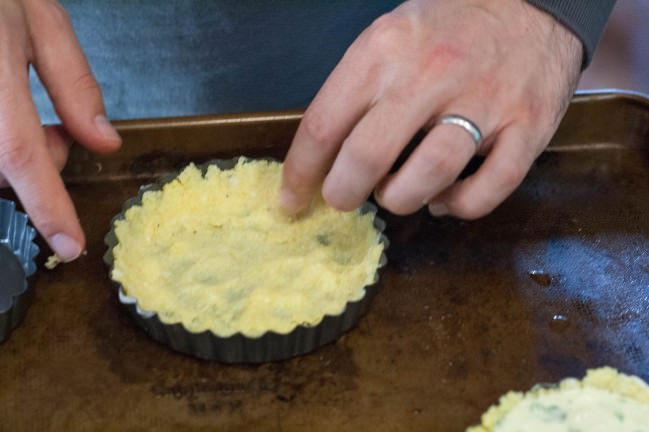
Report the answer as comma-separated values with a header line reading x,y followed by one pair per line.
x,y
465,124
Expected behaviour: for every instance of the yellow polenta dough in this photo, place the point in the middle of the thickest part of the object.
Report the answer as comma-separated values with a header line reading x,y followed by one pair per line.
x,y
216,252
604,401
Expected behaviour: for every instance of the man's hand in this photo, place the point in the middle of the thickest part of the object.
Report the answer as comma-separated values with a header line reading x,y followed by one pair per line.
x,y
39,32
505,65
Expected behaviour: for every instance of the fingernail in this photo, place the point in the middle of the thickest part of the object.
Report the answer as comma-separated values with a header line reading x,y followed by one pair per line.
x,y
438,209
106,129
65,247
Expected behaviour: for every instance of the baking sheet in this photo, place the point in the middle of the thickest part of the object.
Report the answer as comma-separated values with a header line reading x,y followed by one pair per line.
x,y
555,281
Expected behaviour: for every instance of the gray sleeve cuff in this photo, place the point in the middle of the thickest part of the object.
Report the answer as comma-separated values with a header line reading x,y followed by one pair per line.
x,y
586,18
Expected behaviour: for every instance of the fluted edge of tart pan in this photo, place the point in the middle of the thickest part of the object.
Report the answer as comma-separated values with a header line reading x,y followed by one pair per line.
x,y
17,253
238,348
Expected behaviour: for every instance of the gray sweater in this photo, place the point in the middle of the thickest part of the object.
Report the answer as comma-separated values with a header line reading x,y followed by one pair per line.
x,y
586,18
179,57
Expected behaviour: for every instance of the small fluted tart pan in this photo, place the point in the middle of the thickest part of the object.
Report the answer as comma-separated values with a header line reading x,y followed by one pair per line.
x,y
17,253
238,347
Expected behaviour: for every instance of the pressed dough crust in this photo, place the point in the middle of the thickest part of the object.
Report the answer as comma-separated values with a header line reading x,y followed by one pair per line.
x,y
215,252
606,399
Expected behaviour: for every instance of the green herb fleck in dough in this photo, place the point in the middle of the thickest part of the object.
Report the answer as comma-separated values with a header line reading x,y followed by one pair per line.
x,y
551,413
323,239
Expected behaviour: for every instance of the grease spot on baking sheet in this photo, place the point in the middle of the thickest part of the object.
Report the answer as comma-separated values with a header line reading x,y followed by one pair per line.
x,y
559,323
541,278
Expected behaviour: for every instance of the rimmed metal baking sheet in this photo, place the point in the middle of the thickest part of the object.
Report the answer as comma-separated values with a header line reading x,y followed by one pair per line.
x,y
553,282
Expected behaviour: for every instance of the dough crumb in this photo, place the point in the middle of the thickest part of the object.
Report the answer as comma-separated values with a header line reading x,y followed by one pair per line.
x,y
52,262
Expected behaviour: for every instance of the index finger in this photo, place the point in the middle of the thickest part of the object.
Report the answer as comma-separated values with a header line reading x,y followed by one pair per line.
x,y
65,73
27,166
341,102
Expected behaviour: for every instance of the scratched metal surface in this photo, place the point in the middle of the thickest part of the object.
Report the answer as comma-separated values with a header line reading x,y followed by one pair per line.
x,y
553,282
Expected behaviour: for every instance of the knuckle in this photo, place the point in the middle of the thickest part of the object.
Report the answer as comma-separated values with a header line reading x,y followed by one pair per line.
x,y
57,13
332,199
399,200
336,199
397,208
364,157
466,208
48,12
44,217
86,81
14,155
385,34
317,127
8,98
